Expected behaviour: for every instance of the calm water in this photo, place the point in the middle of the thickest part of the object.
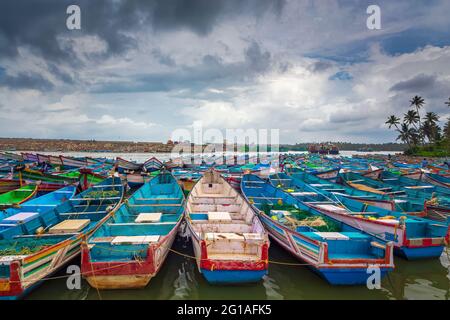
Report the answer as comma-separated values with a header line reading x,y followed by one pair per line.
x,y
180,279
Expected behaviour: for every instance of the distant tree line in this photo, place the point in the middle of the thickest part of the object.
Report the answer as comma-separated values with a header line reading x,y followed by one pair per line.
x,y
349,146
422,135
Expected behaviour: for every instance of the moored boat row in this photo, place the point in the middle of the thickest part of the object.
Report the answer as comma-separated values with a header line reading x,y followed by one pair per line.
x,y
336,216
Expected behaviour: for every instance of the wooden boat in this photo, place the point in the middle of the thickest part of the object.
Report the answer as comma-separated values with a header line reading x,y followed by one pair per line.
x,y
125,165
43,158
54,238
152,164
55,161
11,156
23,214
416,197
437,179
409,183
130,247
337,252
71,163
84,177
7,185
414,237
34,175
31,157
230,243
18,196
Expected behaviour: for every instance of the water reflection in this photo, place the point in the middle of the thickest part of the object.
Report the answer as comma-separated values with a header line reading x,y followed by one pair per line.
x,y
179,279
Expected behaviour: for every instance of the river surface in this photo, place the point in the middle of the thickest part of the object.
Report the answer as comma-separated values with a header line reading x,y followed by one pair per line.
x,y
179,277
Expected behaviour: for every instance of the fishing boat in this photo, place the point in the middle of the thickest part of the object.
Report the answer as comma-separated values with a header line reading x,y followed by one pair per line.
x,y
42,158
152,164
54,237
30,157
18,196
71,163
414,237
437,179
7,185
230,243
125,165
417,196
130,247
24,213
337,252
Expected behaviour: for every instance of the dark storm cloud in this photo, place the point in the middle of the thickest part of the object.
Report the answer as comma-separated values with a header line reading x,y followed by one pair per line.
x,y
320,66
38,23
211,71
419,83
26,80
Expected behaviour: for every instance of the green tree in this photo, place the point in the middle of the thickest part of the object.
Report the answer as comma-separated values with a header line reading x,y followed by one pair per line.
x,y
430,129
448,102
405,134
418,102
393,121
411,118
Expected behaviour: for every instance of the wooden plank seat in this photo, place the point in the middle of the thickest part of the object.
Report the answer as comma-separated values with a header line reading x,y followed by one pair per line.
x,y
219,216
233,256
215,236
21,217
69,226
120,240
148,217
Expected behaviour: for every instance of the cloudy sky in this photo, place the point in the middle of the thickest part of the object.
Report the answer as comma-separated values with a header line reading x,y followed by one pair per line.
x,y
137,70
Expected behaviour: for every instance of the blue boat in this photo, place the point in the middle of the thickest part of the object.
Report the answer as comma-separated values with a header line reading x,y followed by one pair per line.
x,y
52,238
337,252
414,237
129,249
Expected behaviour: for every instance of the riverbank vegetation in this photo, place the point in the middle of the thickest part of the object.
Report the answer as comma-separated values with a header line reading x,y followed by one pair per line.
x,y
422,134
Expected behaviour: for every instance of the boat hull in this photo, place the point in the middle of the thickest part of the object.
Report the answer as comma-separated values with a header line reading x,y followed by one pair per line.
x,y
419,253
233,276
133,275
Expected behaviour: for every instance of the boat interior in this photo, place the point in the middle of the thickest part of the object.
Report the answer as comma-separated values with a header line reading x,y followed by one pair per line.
x,y
149,215
343,241
221,217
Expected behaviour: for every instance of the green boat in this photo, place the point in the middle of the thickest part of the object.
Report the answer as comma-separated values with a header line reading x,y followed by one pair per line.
x,y
18,196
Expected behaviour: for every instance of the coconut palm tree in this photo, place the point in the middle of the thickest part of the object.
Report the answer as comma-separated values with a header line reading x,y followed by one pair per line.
x,y
447,129
448,102
406,134
418,102
393,121
430,129
411,118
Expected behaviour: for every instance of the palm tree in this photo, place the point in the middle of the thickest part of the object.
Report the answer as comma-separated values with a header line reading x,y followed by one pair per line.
x,y
411,117
405,134
447,129
393,121
448,102
430,129
418,102
431,117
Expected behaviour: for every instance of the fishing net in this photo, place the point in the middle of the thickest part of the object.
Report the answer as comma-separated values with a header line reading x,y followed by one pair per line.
x,y
298,217
23,250
102,194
